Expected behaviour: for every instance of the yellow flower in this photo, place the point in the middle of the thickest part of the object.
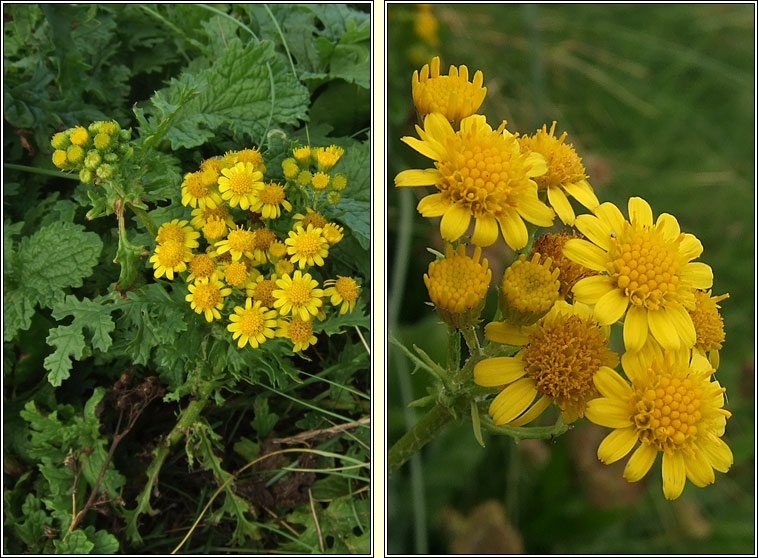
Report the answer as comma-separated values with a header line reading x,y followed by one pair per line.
x,y
333,233
304,177
210,170
672,406
206,296
101,141
79,136
327,157
179,231
320,181
60,159
252,324
479,173
646,273
195,193
268,199
452,95
251,155
307,246
528,290
236,274
60,141
344,291
709,325
339,182
299,331
290,168
228,160
239,242
560,356
298,295
309,218
303,155
169,258
74,154
565,172
262,290
551,245
214,229
277,250
262,242
284,267
425,25
201,266
202,215
458,284
240,184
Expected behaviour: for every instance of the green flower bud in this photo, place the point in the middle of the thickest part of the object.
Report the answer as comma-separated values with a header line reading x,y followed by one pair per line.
x,y
75,154
110,157
104,171
92,160
333,198
60,141
102,141
85,175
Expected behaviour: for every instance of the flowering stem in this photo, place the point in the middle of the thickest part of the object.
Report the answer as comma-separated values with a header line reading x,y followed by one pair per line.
x,y
472,340
46,172
145,220
527,432
453,349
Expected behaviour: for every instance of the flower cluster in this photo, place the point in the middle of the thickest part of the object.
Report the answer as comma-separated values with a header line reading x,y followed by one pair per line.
x,y
258,251
94,151
557,306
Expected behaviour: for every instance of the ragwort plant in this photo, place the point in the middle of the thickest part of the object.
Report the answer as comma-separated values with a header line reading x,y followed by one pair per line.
x,y
201,260
548,344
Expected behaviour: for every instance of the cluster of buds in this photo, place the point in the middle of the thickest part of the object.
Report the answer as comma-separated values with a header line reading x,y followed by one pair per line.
x,y
261,255
309,169
95,152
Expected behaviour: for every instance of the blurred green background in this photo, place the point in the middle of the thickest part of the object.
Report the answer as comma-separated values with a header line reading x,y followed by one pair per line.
x,y
659,102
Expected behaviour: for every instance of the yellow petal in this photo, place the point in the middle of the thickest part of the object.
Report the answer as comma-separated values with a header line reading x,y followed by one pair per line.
x,y
535,211
669,226
635,328
611,307
513,401
616,445
719,455
595,229
417,177
610,384
533,412
561,204
438,127
433,205
430,149
536,164
640,213
455,222
690,247
585,253
611,216
498,371
591,289
683,324
485,231
674,475
514,230
698,470
663,329
608,412
640,462
508,334
583,193
698,274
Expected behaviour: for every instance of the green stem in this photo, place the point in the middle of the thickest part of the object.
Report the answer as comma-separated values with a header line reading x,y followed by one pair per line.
x,y
46,172
453,349
472,340
145,220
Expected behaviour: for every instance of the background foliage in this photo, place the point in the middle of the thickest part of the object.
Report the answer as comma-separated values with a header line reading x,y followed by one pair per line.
x,y
92,371
658,100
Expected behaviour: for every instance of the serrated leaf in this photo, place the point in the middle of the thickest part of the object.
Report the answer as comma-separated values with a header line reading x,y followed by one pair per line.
x,y
56,257
17,313
76,543
96,318
236,90
68,342
104,542
337,521
337,323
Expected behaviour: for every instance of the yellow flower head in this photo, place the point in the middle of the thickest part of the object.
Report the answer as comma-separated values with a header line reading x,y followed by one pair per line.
x,y
202,215
284,267
236,274
709,325
646,273
551,245
262,242
101,141
240,185
201,266
561,354
320,181
298,295
339,182
270,200
169,258
452,95
196,193
79,136
565,172
60,141
333,233
672,406
214,229
458,284
303,155
60,159
262,290
327,157
425,25
251,155
239,242
277,250
307,246
299,331
309,218
210,170
179,231
479,173
75,154
528,290
344,291
252,324
290,168
206,296
228,160
304,177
